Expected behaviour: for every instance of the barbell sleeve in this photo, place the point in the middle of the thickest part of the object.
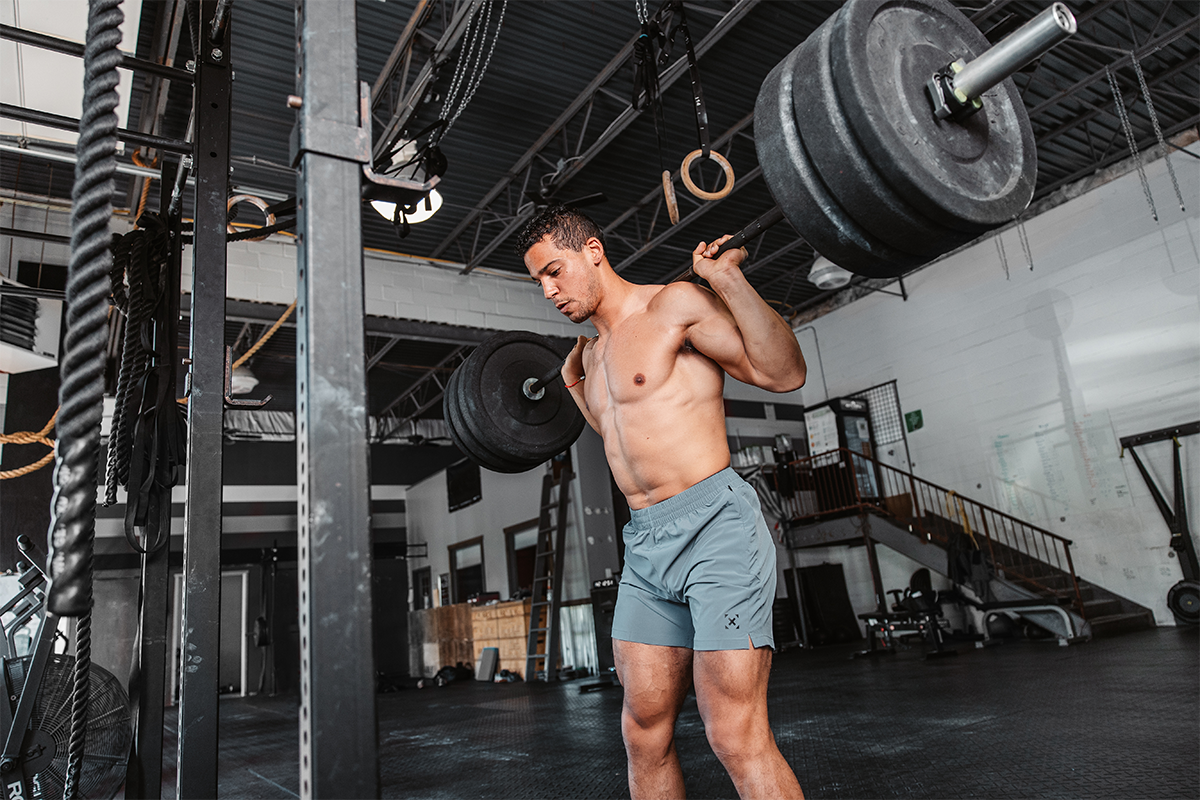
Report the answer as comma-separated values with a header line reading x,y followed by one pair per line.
x,y
541,383
1014,51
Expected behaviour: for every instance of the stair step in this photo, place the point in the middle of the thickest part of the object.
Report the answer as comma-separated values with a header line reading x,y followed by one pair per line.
x,y
1110,624
1104,607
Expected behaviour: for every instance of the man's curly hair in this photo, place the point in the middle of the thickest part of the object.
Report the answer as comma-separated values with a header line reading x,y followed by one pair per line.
x,y
568,229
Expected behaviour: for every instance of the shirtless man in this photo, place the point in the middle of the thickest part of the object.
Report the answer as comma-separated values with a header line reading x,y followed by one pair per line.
x,y
694,605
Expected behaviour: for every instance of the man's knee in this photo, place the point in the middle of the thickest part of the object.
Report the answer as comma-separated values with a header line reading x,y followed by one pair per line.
x,y
647,732
736,734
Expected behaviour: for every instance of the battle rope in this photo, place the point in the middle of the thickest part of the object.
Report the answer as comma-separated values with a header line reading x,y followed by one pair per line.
x,y
139,260
30,437
81,392
147,442
133,363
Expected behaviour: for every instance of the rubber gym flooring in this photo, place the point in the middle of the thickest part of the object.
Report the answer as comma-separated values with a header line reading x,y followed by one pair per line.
x,y
1114,717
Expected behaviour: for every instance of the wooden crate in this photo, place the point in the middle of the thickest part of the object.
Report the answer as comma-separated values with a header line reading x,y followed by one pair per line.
x,y
441,637
504,626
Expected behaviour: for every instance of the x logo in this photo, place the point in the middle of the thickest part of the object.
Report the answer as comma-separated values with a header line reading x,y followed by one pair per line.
x,y
731,622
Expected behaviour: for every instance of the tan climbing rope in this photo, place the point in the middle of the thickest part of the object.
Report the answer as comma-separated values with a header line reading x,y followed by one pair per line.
x,y
29,437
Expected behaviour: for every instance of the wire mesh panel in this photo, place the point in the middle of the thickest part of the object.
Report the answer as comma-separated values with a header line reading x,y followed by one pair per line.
x,y
886,418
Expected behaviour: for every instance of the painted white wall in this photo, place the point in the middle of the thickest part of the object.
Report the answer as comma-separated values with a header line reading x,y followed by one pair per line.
x,y
507,500
53,82
402,286
1026,381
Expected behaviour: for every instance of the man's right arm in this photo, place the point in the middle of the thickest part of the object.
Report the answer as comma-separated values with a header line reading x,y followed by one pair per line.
x,y
574,379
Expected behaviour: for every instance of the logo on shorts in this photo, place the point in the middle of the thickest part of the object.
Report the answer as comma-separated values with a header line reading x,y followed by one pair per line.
x,y
731,622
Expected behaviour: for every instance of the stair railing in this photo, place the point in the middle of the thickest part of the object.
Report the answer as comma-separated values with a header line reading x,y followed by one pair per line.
x,y
842,481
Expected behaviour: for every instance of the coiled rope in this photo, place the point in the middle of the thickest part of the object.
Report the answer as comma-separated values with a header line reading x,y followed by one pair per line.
x,y
81,392
139,259
30,437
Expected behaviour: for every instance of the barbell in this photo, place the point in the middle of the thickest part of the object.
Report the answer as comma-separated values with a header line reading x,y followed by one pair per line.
x,y
888,137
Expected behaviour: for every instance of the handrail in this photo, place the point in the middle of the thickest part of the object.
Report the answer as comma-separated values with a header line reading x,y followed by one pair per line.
x,y
822,486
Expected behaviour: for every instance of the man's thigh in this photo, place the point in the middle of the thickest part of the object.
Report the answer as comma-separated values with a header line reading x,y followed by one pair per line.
x,y
656,679
731,685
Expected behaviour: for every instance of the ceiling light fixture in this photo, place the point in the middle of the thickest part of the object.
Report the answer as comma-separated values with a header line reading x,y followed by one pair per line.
x,y
827,275
426,208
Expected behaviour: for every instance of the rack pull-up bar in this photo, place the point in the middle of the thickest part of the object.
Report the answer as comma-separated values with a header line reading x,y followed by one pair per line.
x,y
35,117
67,47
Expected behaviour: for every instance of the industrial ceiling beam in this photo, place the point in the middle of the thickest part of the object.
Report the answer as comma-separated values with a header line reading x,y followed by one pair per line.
x,y
1145,50
585,98
749,266
442,51
426,390
1146,142
577,163
1101,108
402,50
741,183
383,350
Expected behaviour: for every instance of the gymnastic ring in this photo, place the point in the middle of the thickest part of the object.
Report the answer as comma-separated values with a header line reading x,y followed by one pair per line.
x,y
696,190
258,202
669,195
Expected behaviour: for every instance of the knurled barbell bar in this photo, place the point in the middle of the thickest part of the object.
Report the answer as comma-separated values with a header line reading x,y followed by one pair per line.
x,y
889,136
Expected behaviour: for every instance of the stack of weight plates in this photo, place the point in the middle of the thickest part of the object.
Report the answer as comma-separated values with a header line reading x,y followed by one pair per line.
x,y
852,151
490,417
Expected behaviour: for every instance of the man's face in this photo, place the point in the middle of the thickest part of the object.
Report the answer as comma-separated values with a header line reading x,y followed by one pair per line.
x,y
568,277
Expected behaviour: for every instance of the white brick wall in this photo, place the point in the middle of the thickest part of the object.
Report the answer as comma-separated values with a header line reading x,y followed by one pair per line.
x,y
1108,322
402,287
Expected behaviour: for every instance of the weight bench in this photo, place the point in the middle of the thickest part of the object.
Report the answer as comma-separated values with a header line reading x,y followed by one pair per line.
x,y
1034,604
915,610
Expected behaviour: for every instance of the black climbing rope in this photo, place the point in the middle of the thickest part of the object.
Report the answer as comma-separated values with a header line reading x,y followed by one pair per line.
x,y
73,507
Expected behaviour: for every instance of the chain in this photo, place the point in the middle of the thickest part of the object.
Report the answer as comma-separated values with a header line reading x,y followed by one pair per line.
x,y
1137,67
1024,236
643,13
471,60
478,75
466,55
1116,90
1002,254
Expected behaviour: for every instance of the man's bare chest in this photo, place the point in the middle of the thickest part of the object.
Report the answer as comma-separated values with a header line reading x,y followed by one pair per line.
x,y
635,360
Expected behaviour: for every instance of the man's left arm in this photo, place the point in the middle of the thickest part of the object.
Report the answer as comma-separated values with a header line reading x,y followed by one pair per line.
x,y
761,349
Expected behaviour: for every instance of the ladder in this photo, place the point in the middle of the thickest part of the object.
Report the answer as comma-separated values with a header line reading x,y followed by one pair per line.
x,y
543,645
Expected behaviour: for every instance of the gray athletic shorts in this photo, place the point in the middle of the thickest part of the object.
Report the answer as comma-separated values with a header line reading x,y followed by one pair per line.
x,y
699,570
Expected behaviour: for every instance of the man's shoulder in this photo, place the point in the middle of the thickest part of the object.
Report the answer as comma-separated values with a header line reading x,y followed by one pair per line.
x,y
683,298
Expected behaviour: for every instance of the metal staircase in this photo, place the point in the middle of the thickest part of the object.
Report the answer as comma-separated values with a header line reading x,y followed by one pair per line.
x,y
829,497
543,646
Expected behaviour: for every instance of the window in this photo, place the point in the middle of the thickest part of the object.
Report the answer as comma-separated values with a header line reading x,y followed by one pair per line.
x,y
521,541
422,582
462,484
466,569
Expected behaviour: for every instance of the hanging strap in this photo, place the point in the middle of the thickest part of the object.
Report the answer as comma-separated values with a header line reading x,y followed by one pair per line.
x,y
694,75
645,77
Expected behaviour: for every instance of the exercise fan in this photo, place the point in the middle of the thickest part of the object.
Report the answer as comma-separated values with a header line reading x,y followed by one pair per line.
x,y
44,751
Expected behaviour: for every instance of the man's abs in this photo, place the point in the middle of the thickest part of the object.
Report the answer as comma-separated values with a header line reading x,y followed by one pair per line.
x,y
659,453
